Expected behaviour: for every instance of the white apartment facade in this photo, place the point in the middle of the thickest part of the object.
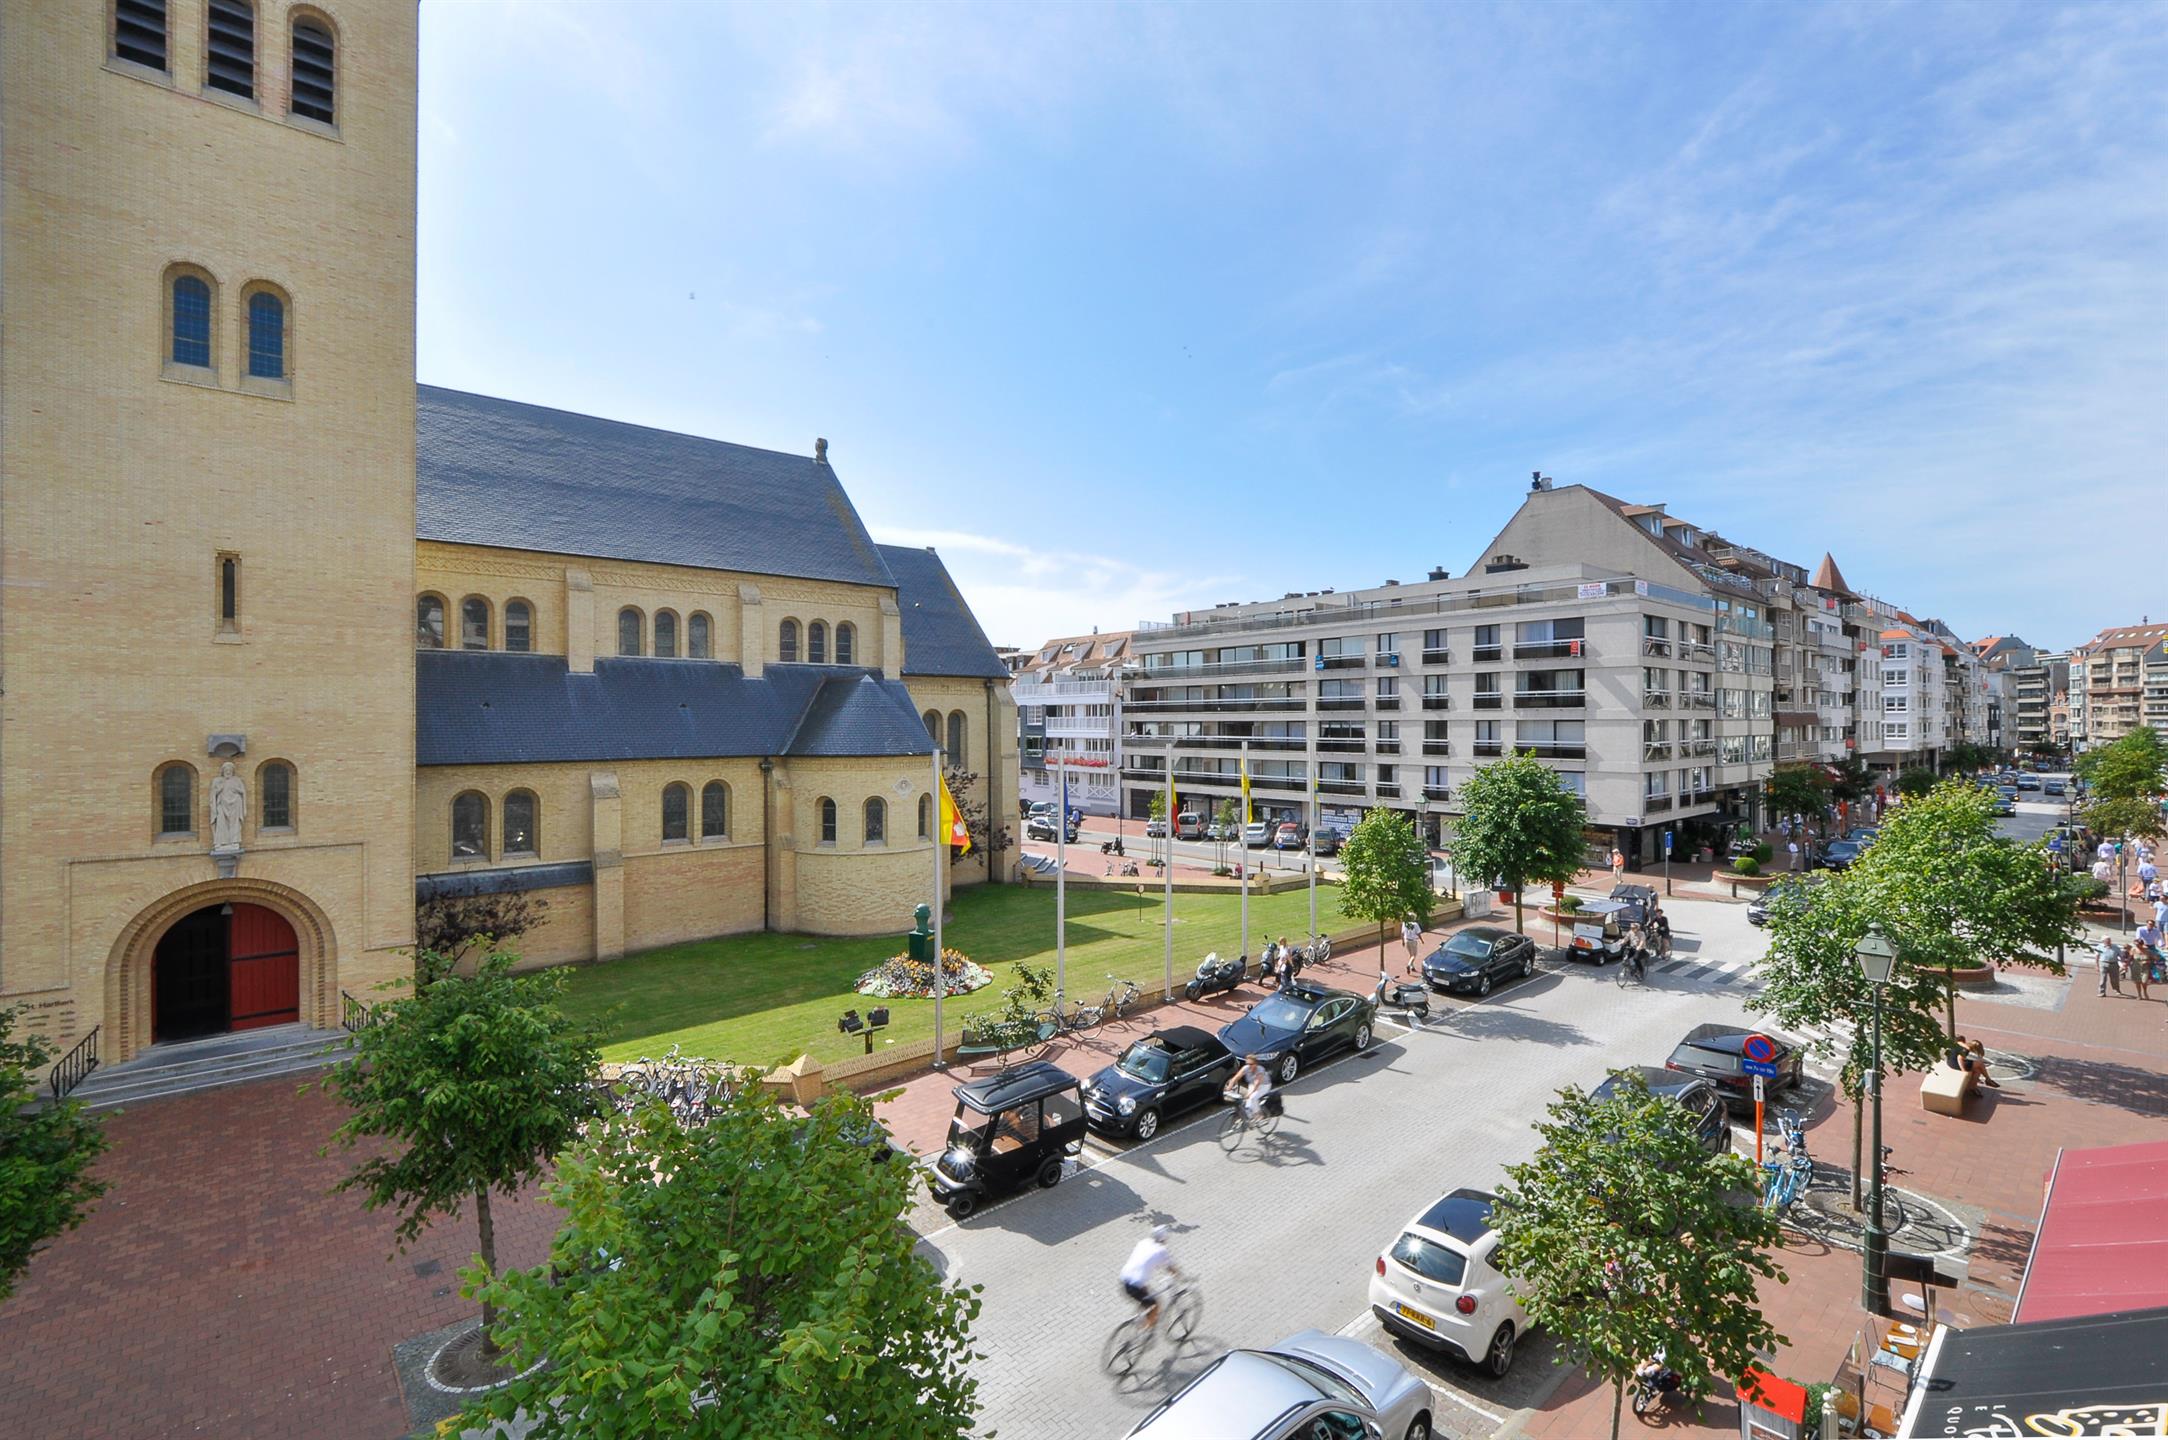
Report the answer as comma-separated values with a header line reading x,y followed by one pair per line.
x,y
1068,696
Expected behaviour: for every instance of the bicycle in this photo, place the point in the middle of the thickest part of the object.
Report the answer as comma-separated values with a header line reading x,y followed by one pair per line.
x,y
1069,1018
1131,1339
1790,1174
1239,1122
1635,970
1121,994
1894,1216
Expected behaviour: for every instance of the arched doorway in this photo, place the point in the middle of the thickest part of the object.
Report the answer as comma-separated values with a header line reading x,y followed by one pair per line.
x,y
234,966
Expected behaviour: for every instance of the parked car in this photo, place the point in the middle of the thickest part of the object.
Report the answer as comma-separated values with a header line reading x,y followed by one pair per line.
x,y
1695,1095
2051,787
1155,828
1714,1053
1473,960
1784,890
1257,833
1599,929
1166,1071
1189,825
1862,835
1309,1385
1436,1284
1839,854
1300,1025
1326,841
2028,782
2005,804
1288,836
1042,827
1020,1125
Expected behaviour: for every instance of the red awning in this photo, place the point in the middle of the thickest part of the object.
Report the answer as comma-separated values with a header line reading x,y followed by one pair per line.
x,y
2103,1241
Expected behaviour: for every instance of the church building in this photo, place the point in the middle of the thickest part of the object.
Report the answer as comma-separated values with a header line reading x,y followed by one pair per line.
x,y
289,644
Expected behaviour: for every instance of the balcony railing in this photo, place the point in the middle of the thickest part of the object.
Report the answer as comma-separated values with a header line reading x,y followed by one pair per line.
x,y
1388,792
1653,804
1656,699
1437,792
1549,650
1656,750
1220,707
1437,657
1654,646
1387,702
1344,746
1388,747
1489,747
1697,700
1340,787
1339,702
1487,652
1220,742
1700,651
1437,747
1341,662
1172,674
1489,700
1549,699
1437,702
1552,750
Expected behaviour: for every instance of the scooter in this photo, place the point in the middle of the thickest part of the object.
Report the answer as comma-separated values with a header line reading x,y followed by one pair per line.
x,y
1410,997
1112,847
1654,1392
1214,975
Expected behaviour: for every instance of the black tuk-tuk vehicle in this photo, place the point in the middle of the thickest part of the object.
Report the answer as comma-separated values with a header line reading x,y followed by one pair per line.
x,y
1015,1126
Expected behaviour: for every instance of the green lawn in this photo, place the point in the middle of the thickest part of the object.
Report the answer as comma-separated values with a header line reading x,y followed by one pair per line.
x,y
765,999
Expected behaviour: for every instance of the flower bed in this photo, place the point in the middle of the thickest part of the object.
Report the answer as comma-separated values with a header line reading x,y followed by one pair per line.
x,y
901,977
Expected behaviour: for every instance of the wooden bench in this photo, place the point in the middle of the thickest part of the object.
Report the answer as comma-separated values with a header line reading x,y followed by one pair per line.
x,y
1944,1089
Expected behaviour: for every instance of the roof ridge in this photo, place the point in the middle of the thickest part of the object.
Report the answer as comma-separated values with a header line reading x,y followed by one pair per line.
x,y
622,424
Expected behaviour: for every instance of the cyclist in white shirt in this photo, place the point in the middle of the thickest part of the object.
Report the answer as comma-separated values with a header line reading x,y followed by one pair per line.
x,y
1253,1085
1140,1273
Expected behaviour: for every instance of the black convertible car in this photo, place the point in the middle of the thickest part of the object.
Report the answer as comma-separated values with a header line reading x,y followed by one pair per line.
x,y
1166,1071
1478,958
1296,1026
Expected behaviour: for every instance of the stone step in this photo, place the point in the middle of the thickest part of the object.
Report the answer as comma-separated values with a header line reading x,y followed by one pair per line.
x,y
168,1074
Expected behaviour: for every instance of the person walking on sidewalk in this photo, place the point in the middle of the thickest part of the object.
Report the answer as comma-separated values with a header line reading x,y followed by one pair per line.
x,y
1411,935
1792,846
1618,865
2138,962
2111,967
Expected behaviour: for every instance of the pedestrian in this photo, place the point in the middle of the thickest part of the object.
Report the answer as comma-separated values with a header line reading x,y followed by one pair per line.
x,y
1411,935
1618,865
2160,913
1283,969
1793,847
2111,967
2140,962
1662,925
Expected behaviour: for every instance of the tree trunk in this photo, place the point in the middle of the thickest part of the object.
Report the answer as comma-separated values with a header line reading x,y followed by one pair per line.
x,y
1518,928
1618,1402
1949,980
488,1226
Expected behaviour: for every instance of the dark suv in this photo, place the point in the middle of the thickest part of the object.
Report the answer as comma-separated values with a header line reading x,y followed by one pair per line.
x,y
1716,1052
1697,1096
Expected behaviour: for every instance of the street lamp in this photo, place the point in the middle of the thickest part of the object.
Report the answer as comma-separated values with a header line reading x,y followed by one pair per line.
x,y
1877,958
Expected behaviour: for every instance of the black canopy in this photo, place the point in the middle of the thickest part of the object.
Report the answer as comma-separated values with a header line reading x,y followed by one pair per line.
x,y
2091,1376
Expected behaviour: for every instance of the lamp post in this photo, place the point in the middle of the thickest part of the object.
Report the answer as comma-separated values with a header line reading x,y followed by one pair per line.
x,y
1876,957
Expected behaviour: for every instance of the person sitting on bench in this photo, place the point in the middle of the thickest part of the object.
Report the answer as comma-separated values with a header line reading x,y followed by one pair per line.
x,y
1970,1056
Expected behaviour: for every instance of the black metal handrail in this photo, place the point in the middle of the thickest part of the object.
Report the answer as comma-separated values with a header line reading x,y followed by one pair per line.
x,y
355,1015
75,1066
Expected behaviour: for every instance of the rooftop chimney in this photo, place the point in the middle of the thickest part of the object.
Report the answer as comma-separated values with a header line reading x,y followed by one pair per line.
x,y
820,452
1438,572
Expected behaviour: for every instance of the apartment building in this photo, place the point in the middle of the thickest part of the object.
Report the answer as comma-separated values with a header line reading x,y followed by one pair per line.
x,y
1068,696
2110,694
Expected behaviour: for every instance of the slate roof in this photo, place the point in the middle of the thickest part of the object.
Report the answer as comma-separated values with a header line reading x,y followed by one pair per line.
x,y
525,477
493,708
940,634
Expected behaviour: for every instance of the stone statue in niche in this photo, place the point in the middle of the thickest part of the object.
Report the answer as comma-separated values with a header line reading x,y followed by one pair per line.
x,y
229,802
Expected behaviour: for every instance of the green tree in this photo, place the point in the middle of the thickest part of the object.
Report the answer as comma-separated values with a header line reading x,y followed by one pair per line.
x,y
1799,790
1385,873
2124,815
752,1276
1520,827
46,1152
2133,768
454,924
1229,818
1916,781
481,1078
1967,757
1952,892
1623,1237
1852,782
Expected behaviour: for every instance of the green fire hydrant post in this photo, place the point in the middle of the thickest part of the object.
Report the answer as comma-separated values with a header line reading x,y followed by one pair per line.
x,y
921,938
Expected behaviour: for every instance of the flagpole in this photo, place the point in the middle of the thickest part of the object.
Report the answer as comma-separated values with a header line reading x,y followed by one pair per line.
x,y
1061,886
940,843
1313,856
1245,762
1169,872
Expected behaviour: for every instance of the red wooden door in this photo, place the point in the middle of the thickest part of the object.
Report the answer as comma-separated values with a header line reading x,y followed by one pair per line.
x,y
264,963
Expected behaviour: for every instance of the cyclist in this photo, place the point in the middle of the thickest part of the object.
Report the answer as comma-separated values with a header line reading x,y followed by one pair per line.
x,y
1637,951
1660,926
1140,1273
1253,1085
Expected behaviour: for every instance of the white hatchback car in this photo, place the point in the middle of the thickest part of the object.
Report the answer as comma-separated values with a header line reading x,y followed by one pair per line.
x,y
1436,1285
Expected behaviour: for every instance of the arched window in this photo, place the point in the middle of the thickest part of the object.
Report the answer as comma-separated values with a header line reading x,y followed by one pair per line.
x,y
714,811
876,821
522,824
470,825
474,623
230,51
925,817
266,336
139,32
828,820
846,643
933,726
786,643
697,643
177,799
956,737
676,807
816,643
275,795
429,622
315,78
628,631
666,634
191,321
518,626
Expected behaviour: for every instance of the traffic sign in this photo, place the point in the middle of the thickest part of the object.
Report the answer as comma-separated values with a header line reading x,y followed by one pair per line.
x,y
1758,1069
1667,842
1759,1047
1758,1082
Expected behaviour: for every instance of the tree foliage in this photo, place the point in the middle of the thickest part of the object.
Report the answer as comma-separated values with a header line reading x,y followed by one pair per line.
x,y
454,924
1521,827
1623,1237
1916,781
481,1080
1852,782
2124,815
749,1277
46,1152
2133,768
1967,757
987,834
1799,790
1385,873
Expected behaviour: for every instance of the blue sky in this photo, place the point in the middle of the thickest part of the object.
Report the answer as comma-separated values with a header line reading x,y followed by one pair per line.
x,y
1129,309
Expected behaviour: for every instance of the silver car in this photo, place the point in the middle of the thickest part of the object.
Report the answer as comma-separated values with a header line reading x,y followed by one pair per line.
x,y
1311,1386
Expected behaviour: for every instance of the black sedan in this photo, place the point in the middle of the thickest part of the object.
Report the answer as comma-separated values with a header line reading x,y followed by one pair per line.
x,y
1296,1026
1479,957
1166,1071
1717,1053
1693,1094
1786,890
1839,854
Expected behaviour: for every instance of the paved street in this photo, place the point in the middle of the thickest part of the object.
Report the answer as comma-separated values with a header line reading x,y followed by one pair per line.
x,y
1285,1240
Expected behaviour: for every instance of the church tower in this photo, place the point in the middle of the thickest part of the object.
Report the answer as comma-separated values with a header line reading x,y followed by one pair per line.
x,y
207,422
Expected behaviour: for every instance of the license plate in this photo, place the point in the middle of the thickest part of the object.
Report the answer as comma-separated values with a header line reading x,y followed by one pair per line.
x,y
1417,1316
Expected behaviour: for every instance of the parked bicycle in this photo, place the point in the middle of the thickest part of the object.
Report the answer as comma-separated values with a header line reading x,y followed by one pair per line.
x,y
1131,1340
1069,1017
1787,1176
689,1085
1894,1215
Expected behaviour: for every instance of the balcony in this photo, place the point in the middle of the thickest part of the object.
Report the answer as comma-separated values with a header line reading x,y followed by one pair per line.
x,y
1219,707
1437,702
1549,699
1221,742
1699,652
1553,750
1341,662
1340,702
1388,792
1697,747
1697,700
1549,650
1656,699
1489,700
1174,674
1437,657
1740,625
1482,653
1655,804
1339,787
1489,747
1388,747
1656,750
1437,747
1437,792
1655,647
1387,702
1343,746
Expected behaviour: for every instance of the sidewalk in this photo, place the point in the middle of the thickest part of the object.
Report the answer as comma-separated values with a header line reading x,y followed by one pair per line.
x,y
2077,1070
